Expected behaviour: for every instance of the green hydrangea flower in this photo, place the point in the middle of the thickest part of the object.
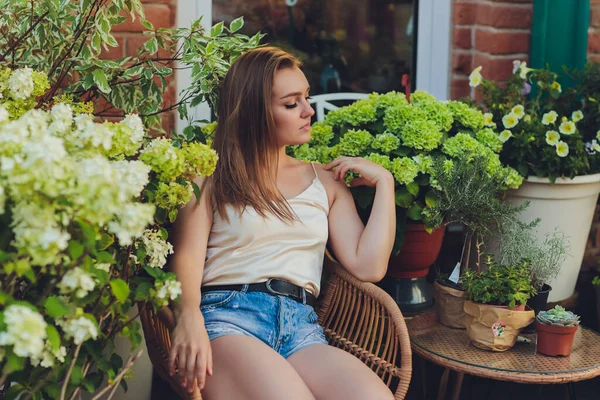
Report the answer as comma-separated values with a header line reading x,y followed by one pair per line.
x,y
425,163
513,179
172,195
380,159
356,114
421,135
489,138
435,110
122,145
463,146
164,159
320,134
386,142
208,130
467,116
405,170
200,159
355,142
396,117
389,99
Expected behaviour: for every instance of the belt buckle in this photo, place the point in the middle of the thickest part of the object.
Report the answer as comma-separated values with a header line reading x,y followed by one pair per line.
x,y
270,289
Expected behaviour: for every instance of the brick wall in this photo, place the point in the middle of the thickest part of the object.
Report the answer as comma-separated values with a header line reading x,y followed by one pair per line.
x,y
594,32
162,14
490,33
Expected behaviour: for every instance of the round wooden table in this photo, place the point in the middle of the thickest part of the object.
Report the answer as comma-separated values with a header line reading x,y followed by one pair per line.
x,y
450,348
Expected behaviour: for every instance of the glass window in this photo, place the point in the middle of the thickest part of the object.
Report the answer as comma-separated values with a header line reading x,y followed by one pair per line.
x,y
346,45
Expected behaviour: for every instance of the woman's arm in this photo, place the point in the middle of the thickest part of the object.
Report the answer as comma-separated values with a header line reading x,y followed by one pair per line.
x,y
363,250
190,352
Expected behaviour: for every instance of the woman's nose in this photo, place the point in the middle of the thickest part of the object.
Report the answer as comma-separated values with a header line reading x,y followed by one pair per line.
x,y
308,111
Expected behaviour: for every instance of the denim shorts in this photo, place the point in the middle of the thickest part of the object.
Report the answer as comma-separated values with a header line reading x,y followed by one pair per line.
x,y
281,323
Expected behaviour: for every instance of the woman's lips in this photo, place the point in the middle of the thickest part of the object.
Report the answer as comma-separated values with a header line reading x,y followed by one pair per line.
x,y
306,127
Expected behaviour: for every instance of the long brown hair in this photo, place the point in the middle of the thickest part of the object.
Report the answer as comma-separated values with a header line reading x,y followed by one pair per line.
x,y
245,136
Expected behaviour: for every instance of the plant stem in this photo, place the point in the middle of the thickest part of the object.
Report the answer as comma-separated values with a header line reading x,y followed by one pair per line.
x,y
63,391
128,364
22,37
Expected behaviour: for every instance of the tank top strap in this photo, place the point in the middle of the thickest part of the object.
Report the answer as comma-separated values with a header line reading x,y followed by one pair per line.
x,y
315,170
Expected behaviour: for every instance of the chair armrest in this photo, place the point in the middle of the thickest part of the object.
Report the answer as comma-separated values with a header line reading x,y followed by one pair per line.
x,y
157,328
365,321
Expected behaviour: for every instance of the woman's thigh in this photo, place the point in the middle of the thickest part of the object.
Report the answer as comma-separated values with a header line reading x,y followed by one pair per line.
x,y
331,373
246,368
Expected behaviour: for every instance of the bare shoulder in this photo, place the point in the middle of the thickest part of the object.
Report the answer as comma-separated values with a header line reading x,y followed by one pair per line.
x,y
332,186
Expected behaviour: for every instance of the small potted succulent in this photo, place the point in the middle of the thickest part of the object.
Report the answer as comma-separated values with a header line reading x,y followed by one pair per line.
x,y
495,304
555,331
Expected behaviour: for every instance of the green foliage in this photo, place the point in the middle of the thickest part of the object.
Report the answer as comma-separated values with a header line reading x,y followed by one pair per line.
x,y
404,138
596,281
569,117
501,285
558,316
71,55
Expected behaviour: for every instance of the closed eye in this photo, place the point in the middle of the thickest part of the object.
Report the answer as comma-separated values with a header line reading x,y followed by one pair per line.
x,y
290,106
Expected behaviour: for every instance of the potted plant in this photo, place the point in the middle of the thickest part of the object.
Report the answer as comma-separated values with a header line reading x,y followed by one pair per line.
x,y
555,331
467,194
404,137
545,144
518,241
495,304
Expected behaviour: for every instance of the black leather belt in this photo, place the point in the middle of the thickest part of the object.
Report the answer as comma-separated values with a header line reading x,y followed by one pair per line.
x,y
272,286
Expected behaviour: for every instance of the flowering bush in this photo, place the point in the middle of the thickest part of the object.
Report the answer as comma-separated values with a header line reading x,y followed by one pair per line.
x,y
541,130
82,205
405,138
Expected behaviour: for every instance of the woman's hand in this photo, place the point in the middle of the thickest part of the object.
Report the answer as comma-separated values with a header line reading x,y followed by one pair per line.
x,y
370,173
190,354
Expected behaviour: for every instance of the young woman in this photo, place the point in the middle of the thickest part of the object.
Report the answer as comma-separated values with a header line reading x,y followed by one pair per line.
x,y
249,255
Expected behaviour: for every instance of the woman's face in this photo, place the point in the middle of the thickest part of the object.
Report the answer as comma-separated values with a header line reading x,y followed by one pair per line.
x,y
290,106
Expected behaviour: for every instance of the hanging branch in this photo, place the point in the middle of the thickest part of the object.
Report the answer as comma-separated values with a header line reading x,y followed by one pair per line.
x,y
22,37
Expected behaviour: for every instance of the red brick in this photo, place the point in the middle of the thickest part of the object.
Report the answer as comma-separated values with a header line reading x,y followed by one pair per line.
x,y
134,43
464,13
595,16
499,42
460,88
114,53
462,63
504,16
497,68
168,121
593,58
462,38
594,42
160,15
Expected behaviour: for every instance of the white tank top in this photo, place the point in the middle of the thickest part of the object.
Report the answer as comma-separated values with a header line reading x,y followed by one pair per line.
x,y
252,249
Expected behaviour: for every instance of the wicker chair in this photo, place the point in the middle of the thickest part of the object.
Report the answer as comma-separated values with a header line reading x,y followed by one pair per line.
x,y
357,317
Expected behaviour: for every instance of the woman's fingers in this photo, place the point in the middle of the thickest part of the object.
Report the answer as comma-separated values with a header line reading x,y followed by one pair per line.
x,y
181,365
209,361
191,369
172,359
201,370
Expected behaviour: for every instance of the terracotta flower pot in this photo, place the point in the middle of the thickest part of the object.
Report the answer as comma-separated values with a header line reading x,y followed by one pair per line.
x,y
419,252
555,340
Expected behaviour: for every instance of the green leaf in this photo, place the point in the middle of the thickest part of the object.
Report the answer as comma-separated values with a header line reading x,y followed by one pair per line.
x,y
154,272
196,192
217,29
52,389
142,291
120,289
403,197
105,257
105,241
431,199
101,81
53,336
415,212
413,188
96,41
13,363
75,249
55,307
147,24
173,215
236,24
151,45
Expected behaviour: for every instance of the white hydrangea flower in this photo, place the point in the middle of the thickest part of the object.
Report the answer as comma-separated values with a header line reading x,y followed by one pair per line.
x,y
20,83
134,122
90,134
157,249
133,178
131,221
3,114
26,331
170,289
80,329
103,267
78,281
62,118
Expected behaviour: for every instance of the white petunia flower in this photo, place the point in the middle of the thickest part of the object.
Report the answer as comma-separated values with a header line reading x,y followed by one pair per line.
x,y
475,77
577,116
510,120
505,135
25,331
556,86
549,118
567,127
78,281
488,120
519,111
552,138
562,149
